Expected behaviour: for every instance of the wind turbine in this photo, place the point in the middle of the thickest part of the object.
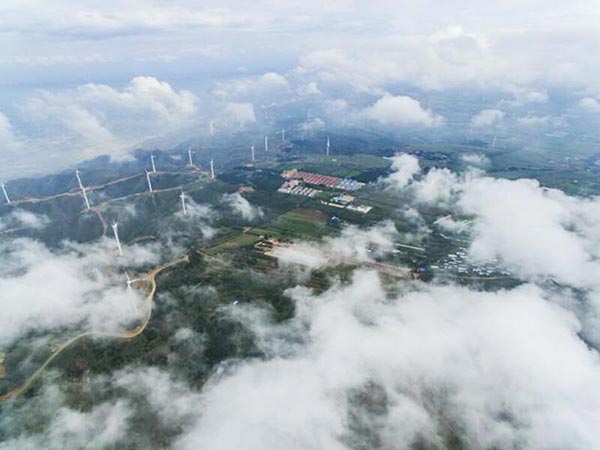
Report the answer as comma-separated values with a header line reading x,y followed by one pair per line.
x,y
152,161
211,127
190,157
115,228
266,143
85,197
82,187
494,142
327,146
79,179
283,134
149,182
212,169
252,152
182,197
130,282
5,194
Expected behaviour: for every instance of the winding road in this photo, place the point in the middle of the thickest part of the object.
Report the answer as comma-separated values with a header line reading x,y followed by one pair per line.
x,y
129,334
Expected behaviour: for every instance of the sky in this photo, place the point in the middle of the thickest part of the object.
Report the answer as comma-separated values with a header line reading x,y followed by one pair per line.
x,y
77,80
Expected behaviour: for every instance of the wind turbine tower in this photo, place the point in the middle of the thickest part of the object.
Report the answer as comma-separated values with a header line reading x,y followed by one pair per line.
x,y
79,179
83,192
149,182
211,127
85,197
252,153
5,194
115,228
132,304
152,161
183,205
129,281
190,157
328,146
266,143
283,134
494,142
212,169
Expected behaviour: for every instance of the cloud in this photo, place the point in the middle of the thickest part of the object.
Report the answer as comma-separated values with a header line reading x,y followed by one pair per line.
x,y
99,114
20,218
363,366
198,220
311,88
590,104
487,118
258,88
534,121
240,112
313,124
8,139
515,220
242,207
352,245
475,159
400,111
91,119
404,168
535,231
139,395
78,289
437,186
176,404
525,96
447,223
103,426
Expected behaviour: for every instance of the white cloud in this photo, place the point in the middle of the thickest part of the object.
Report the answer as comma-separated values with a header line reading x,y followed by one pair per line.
x,y
312,88
401,110
534,121
240,112
103,426
525,95
437,186
173,400
590,104
20,218
475,159
78,290
313,124
447,223
535,231
198,219
259,88
487,118
93,119
352,245
431,360
242,206
99,114
404,168
8,139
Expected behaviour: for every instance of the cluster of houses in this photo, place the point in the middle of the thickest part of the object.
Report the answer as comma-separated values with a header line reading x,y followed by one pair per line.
x,y
457,262
297,183
317,179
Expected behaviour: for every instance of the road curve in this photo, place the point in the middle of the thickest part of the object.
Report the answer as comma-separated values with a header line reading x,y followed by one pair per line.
x,y
129,334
